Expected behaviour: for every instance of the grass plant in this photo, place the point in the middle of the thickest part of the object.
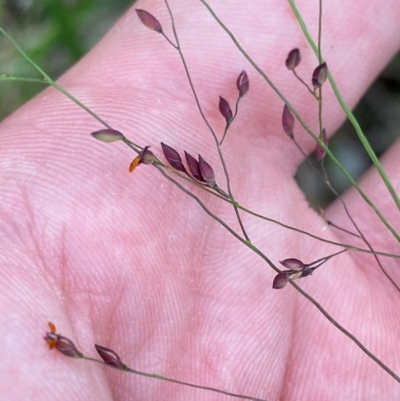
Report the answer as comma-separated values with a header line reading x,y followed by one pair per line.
x,y
208,182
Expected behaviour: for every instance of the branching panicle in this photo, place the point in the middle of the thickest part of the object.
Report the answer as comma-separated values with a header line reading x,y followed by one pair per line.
x,y
201,173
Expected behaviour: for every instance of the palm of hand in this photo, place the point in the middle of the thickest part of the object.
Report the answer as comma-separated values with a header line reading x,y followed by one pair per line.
x,y
129,262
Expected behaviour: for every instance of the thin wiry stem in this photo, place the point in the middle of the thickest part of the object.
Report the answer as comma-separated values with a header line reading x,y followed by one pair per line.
x,y
362,236
178,48
325,179
319,97
125,368
5,77
271,264
324,174
305,84
251,246
320,32
346,332
252,213
260,216
325,258
190,180
301,121
208,211
349,247
342,229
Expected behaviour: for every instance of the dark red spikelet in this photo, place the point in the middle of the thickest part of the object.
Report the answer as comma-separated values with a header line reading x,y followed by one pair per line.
x,y
173,157
319,150
242,83
293,264
293,59
149,20
287,121
225,109
109,356
207,173
320,75
194,167
280,281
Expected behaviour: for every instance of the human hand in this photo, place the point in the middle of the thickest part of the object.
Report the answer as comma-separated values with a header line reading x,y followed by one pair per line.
x,y
130,262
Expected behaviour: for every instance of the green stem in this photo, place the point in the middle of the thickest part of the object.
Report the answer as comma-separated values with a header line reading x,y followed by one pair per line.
x,y
5,77
320,32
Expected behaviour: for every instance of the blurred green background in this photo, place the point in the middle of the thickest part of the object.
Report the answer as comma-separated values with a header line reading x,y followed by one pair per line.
x,y
57,33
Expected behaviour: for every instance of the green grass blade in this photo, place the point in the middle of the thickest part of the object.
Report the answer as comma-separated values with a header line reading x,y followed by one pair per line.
x,y
348,112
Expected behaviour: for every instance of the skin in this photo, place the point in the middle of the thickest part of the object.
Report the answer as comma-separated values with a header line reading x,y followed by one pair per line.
x,y
130,262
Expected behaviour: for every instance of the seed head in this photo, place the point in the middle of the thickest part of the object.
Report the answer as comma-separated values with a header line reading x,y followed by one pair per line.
x,y
225,110
149,20
320,75
293,59
173,157
108,135
194,167
293,264
207,173
242,83
61,343
280,281
109,356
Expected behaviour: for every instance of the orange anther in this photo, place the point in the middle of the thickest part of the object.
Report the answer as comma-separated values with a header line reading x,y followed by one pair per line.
x,y
134,164
52,327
